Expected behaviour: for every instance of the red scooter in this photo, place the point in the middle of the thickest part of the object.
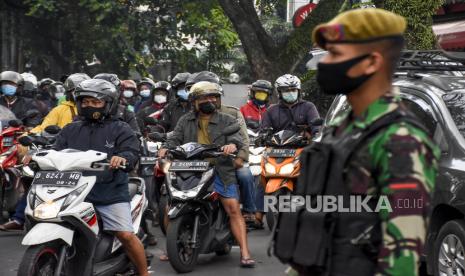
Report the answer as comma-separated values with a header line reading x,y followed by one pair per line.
x,y
11,187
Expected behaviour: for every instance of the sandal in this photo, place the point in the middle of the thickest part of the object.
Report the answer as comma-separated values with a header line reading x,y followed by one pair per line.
x,y
247,262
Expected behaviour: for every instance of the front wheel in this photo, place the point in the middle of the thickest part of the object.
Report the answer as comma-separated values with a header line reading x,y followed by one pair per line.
x,y
39,260
182,253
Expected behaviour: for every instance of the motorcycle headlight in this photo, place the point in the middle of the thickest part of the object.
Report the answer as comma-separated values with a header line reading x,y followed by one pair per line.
x,y
269,168
47,210
72,196
287,169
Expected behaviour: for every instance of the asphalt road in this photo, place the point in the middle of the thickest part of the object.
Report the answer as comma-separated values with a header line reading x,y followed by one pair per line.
x,y
11,252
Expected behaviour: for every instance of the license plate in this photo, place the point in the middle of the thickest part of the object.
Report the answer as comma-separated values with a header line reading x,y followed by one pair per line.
x,y
148,160
189,166
282,153
57,178
7,141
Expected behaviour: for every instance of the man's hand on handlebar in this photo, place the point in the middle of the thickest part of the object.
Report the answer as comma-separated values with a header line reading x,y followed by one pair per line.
x,y
162,153
229,149
116,162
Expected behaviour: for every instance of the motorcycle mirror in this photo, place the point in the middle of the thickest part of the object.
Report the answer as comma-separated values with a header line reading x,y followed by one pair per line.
x,y
150,121
157,136
53,129
15,123
32,113
231,129
317,122
25,141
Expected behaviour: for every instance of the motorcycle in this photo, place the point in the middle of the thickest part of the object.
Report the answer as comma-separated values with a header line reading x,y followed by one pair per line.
x,y
12,188
198,223
280,163
66,237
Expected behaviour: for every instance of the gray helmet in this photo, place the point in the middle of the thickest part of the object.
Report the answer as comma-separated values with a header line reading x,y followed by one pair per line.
x,y
179,79
30,82
45,81
205,76
100,89
74,80
190,81
287,81
12,76
148,81
162,85
262,85
112,78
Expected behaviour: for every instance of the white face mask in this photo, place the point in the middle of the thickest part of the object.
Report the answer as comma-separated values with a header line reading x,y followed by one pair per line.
x,y
59,95
128,93
160,99
145,93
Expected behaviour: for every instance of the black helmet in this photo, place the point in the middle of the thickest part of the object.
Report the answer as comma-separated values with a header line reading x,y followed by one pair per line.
x,y
148,81
262,85
74,80
162,85
45,81
112,78
100,89
12,76
179,79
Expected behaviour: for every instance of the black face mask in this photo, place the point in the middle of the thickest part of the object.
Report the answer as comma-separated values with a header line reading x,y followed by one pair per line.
x,y
333,79
207,107
92,113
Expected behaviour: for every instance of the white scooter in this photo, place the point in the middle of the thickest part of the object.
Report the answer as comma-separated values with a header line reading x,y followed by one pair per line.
x,y
66,237
255,155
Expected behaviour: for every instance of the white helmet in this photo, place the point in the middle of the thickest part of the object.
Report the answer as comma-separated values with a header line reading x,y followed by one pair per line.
x,y
287,81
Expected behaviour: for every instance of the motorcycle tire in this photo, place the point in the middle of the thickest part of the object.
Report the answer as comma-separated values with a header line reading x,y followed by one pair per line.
x,y
181,257
162,213
40,260
271,219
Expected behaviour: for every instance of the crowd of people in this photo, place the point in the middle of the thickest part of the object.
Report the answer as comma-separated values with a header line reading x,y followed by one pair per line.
x,y
107,114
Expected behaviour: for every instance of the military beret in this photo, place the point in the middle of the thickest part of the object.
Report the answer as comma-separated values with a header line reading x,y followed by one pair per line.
x,y
359,26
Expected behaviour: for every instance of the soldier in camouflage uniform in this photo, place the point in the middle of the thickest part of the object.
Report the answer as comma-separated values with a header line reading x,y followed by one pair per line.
x,y
398,161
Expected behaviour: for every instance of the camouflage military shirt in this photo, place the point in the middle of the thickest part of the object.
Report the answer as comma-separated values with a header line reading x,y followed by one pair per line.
x,y
400,162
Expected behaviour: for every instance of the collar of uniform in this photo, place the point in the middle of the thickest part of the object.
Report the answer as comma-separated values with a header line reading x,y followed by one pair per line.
x,y
375,110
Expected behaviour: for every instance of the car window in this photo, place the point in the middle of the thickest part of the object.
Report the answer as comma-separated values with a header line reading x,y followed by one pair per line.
x,y
455,102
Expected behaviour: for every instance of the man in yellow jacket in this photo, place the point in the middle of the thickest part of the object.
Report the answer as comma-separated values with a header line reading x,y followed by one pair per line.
x,y
64,113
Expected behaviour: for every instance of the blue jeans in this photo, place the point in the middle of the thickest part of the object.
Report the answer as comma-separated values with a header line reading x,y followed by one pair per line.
x,y
259,195
247,188
19,216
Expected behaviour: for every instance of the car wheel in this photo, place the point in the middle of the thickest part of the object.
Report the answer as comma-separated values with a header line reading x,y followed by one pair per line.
x,y
449,251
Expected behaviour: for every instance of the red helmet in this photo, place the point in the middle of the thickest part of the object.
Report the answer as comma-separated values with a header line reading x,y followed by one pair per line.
x,y
128,84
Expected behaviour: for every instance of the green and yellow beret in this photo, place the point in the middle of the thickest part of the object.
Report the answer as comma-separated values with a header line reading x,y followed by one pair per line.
x,y
359,26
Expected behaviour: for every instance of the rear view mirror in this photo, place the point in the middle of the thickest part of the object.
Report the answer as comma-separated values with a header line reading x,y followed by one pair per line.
x,y
53,129
25,141
15,123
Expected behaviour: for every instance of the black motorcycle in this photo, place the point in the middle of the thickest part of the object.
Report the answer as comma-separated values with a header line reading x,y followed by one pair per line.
x,y
198,224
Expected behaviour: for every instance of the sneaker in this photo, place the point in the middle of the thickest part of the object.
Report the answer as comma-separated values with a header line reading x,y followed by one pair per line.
x,y
12,225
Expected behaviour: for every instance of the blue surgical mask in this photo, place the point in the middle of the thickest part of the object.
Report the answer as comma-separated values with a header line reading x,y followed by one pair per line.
x,y
145,93
182,93
290,97
8,90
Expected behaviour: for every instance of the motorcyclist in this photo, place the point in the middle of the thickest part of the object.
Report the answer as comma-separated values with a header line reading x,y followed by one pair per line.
x,y
129,95
44,94
97,103
204,125
179,106
244,175
65,112
145,87
160,94
123,113
259,96
11,85
291,111
30,85
57,90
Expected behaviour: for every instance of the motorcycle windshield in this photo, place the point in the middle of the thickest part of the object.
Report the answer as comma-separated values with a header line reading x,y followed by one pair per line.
x,y
5,116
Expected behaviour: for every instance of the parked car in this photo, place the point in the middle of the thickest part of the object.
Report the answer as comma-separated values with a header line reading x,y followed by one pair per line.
x,y
435,92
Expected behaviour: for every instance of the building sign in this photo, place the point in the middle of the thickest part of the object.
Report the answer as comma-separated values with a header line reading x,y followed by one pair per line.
x,y
302,13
